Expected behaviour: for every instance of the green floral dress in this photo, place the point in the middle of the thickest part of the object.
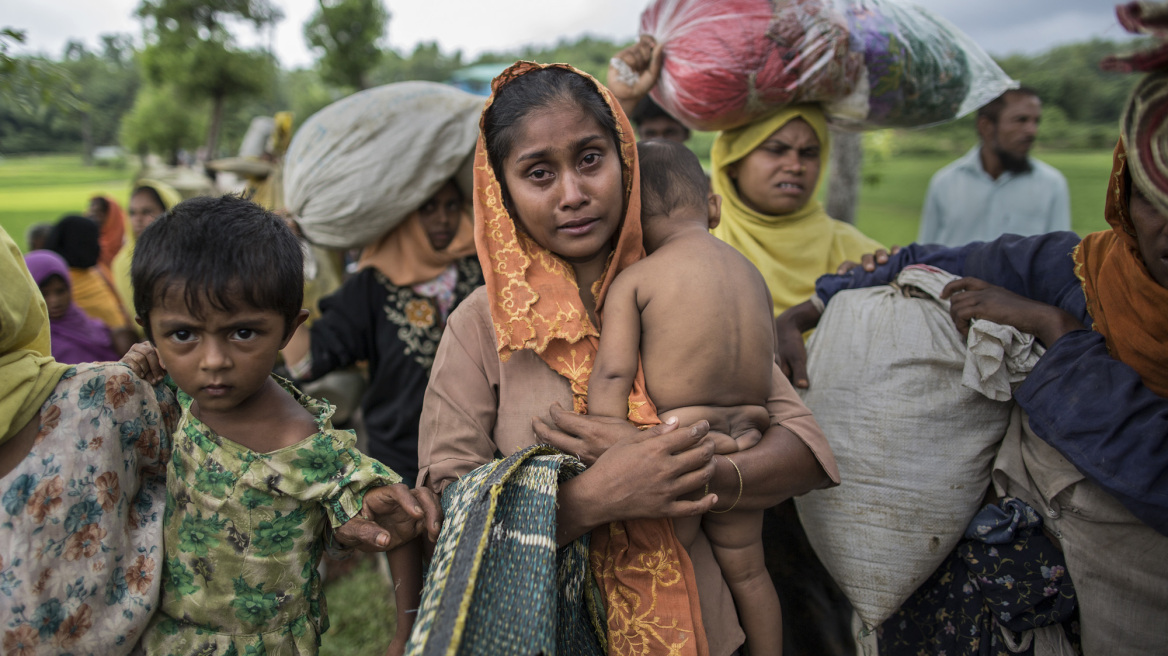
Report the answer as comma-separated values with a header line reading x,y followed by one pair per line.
x,y
244,533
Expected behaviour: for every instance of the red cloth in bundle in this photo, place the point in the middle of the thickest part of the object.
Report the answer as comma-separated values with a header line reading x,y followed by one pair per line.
x,y
712,51
730,62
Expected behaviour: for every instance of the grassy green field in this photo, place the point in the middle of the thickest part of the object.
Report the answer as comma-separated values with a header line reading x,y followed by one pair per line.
x,y
42,189
890,209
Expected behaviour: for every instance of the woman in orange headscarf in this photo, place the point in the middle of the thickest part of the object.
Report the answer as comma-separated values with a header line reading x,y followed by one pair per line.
x,y
108,215
557,207
1093,454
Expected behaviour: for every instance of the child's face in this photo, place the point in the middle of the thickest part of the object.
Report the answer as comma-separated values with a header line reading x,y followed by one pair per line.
x,y
440,216
221,359
57,297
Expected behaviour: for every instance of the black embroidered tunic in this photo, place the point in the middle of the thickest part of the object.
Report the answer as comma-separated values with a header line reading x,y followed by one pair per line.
x,y
396,330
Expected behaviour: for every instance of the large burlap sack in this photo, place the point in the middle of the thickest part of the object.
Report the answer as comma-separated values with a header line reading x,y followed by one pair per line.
x,y
356,168
914,446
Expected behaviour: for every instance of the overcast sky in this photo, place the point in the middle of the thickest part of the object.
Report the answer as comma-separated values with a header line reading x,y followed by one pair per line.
x,y
474,26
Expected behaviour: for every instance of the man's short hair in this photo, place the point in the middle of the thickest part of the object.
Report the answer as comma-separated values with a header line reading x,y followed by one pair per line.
x,y
993,109
225,251
671,177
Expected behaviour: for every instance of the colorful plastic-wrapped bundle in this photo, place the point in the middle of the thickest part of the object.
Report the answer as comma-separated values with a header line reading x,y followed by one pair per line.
x,y
872,63
730,62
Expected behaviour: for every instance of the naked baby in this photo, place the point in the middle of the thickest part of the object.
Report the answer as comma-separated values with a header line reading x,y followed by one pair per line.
x,y
698,314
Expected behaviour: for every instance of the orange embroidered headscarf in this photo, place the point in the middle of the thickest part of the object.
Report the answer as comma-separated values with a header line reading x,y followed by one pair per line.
x,y
1126,304
643,571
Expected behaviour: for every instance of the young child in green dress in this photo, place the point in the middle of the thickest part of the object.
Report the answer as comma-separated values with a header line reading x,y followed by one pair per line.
x,y
259,483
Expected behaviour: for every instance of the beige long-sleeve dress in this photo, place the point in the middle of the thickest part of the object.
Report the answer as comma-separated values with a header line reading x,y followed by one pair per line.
x,y
478,408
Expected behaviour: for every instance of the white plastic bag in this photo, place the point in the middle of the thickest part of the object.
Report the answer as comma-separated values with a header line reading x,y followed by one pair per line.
x,y
356,168
914,446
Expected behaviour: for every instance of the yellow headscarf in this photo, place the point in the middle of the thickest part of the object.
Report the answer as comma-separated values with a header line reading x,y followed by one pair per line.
x,y
27,374
790,250
121,266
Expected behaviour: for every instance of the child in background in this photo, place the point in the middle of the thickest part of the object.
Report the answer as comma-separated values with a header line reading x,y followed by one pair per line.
x,y
75,336
258,479
76,239
698,315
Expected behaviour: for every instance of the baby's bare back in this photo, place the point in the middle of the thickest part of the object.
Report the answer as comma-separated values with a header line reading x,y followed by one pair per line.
x,y
707,335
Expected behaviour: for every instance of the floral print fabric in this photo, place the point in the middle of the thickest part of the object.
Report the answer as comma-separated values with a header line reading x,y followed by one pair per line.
x,y
81,529
244,535
1004,579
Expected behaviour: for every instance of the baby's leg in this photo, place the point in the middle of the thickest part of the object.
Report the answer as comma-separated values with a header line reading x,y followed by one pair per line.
x,y
736,538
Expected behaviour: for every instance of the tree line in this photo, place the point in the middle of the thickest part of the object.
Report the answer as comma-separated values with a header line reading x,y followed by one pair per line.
x,y
189,85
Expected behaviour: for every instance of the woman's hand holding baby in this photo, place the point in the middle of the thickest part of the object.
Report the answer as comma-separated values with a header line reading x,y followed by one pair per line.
x,y
633,474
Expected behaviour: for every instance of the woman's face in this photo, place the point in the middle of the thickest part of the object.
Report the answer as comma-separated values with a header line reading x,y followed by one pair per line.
x,y
1152,236
440,216
563,176
143,210
57,297
97,212
779,176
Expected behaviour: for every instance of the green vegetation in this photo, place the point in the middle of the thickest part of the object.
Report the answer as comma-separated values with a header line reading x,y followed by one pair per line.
x,y
890,209
361,617
40,189
43,189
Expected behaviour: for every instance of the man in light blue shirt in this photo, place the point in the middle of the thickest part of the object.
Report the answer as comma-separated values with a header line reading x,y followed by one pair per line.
x,y
997,188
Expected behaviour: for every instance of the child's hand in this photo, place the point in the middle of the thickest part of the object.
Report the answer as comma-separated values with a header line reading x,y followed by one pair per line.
x,y
423,515
391,516
142,358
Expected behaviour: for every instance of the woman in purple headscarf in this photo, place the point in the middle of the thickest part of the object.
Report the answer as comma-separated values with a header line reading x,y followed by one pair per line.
x,y
76,337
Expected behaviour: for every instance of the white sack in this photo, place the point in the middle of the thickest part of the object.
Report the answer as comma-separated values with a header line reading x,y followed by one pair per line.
x,y
914,446
356,168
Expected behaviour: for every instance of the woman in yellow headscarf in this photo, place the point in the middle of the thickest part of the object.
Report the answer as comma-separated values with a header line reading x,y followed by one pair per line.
x,y
83,453
148,201
767,173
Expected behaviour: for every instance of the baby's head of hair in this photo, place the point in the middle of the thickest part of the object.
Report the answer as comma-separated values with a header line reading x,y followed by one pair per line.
x,y
671,179
226,252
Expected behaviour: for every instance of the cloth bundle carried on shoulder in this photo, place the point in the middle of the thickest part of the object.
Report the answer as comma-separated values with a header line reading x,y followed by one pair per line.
x,y
914,444
497,583
872,63
358,167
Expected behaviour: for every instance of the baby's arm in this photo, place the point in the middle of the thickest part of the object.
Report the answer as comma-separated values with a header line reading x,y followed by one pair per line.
x,y
620,345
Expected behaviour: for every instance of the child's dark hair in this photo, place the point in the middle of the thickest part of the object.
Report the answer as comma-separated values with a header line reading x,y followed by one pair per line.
x,y
76,239
225,251
671,177
535,90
